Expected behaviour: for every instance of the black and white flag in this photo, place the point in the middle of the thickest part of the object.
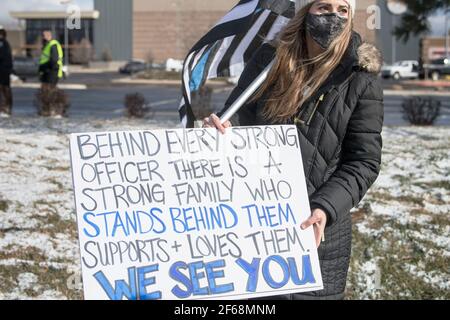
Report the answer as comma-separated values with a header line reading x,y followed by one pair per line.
x,y
227,47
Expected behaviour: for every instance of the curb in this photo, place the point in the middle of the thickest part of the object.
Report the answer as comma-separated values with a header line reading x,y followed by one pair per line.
x,y
164,82
416,93
145,81
63,86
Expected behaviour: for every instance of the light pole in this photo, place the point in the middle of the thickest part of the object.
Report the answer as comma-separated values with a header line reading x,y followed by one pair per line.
x,y
66,34
394,41
446,32
396,8
178,50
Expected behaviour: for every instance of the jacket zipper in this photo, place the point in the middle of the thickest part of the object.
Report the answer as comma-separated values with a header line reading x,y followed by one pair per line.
x,y
298,121
315,108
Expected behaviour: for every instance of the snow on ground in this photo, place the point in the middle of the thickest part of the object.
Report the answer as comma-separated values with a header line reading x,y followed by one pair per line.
x,y
402,227
401,237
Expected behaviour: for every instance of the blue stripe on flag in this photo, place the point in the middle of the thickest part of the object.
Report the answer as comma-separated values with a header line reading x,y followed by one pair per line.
x,y
197,74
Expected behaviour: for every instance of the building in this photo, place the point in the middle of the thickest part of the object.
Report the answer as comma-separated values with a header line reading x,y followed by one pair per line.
x,y
432,48
393,49
160,29
113,32
16,39
37,21
154,30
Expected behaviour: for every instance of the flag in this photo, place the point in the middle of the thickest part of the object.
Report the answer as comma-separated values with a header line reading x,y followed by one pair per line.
x,y
228,46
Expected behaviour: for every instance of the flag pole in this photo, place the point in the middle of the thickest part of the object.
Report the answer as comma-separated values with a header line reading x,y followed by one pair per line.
x,y
246,94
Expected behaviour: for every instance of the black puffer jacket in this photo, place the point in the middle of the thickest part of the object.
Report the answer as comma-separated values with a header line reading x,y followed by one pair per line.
x,y
340,139
6,63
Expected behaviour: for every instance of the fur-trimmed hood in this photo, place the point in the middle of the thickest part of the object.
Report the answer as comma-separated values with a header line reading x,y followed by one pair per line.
x,y
362,56
369,58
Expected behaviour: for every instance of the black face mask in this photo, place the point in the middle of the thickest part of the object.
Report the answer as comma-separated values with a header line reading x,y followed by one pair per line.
x,y
324,28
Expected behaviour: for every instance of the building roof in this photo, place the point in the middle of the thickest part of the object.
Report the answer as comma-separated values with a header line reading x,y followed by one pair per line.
x,y
94,14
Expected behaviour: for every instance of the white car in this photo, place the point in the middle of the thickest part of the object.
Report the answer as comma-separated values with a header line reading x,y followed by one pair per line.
x,y
174,65
407,69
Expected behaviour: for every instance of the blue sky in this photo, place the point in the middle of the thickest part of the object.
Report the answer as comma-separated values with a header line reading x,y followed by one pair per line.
x,y
437,22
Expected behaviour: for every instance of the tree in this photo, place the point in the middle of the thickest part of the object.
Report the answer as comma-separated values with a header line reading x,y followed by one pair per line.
x,y
415,21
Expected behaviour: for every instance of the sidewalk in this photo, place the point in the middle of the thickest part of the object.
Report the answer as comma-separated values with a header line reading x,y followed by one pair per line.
x,y
129,80
96,68
64,86
430,83
411,93
441,85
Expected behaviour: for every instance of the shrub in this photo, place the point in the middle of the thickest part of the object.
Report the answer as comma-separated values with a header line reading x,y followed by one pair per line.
x,y
421,111
82,52
136,105
51,102
106,55
158,74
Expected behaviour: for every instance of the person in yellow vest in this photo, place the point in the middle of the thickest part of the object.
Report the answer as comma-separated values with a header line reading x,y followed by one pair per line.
x,y
51,61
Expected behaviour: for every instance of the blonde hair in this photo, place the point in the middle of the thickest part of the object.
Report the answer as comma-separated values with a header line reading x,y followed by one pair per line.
x,y
294,77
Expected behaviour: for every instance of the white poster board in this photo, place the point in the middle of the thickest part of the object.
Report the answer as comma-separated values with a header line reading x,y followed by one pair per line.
x,y
193,214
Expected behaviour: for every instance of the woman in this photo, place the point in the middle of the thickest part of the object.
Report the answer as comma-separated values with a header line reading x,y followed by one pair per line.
x,y
324,81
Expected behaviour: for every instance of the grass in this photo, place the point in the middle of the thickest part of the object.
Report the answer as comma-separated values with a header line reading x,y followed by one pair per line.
x,y
402,178
155,74
50,221
442,184
49,278
393,250
28,253
59,186
33,260
406,240
405,199
4,205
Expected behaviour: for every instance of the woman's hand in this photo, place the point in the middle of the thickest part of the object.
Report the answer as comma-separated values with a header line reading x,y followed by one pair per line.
x,y
213,121
318,219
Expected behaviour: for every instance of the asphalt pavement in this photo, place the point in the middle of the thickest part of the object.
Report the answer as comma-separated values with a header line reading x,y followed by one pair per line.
x,y
103,99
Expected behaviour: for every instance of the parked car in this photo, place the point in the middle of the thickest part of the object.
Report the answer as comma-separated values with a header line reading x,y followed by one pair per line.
x,y
437,68
407,69
133,66
25,67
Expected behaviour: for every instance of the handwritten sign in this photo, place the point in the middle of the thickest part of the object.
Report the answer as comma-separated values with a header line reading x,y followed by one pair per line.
x,y
193,214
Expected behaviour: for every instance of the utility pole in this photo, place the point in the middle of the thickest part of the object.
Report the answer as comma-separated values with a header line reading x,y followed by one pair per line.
x,y
396,8
394,41
66,34
446,32
179,28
